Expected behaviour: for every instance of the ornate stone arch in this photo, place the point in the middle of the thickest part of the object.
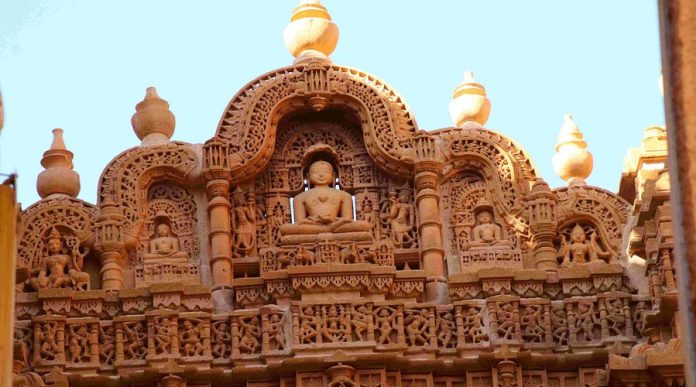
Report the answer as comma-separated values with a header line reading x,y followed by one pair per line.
x,y
66,214
248,125
606,211
506,167
128,176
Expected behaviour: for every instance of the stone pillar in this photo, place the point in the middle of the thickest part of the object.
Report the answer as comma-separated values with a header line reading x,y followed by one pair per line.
x,y
678,39
8,217
110,244
427,167
218,191
543,222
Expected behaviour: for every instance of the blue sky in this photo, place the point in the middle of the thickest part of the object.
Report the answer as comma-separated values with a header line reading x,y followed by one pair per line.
x,y
83,65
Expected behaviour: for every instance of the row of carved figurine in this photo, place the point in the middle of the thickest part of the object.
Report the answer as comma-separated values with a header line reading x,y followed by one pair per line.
x,y
50,340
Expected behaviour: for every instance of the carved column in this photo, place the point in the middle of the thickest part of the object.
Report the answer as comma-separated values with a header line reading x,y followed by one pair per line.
x,y
220,242
427,167
110,244
543,222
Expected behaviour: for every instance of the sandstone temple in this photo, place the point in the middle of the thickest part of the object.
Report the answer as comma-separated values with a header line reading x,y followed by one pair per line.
x,y
320,238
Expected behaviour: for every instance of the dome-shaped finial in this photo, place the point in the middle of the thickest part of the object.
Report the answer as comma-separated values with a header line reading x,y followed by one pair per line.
x,y
572,161
469,102
153,122
58,176
311,34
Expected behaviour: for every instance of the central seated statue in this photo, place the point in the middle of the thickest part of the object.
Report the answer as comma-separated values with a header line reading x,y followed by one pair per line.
x,y
324,212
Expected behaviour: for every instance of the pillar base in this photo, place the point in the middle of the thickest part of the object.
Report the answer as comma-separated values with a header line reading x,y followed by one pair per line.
x,y
436,290
223,299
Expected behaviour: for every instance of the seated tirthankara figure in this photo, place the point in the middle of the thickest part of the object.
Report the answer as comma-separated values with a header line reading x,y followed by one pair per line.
x,y
486,233
323,212
164,245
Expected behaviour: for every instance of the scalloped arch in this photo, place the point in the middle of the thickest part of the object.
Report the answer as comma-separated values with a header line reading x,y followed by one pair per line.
x,y
129,174
249,122
608,211
499,158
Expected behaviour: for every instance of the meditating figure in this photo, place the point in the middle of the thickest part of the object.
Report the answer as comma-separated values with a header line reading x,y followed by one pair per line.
x,y
486,233
164,244
323,208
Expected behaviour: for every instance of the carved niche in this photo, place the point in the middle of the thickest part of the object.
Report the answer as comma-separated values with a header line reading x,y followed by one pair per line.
x,y
479,236
168,246
378,200
54,248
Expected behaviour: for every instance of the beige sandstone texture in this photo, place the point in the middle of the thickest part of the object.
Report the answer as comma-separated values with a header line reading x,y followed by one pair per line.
x,y
320,238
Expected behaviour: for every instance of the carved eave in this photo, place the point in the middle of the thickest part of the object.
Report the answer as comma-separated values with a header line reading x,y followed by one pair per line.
x,y
248,125
127,177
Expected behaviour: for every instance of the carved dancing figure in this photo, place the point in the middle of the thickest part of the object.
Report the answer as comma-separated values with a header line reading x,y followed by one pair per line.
x,y
473,327
506,324
78,343
191,338
243,219
560,326
136,344
164,244
22,343
533,326
47,338
416,327
163,335
221,336
402,219
276,331
586,320
334,328
249,340
446,328
385,324
616,317
360,321
107,344
310,321
323,208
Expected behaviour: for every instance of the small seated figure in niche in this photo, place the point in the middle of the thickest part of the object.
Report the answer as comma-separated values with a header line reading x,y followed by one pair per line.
x,y
323,208
52,272
577,249
164,244
402,219
486,233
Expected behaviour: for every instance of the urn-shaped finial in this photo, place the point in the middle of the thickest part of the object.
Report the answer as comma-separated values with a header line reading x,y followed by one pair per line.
x,y
311,34
58,176
572,161
153,122
469,102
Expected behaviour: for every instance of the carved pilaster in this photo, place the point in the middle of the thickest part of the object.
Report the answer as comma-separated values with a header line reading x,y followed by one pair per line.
x,y
427,167
543,223
220,242
110,244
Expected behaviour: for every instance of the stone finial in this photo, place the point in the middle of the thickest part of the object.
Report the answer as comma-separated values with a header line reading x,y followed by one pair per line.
x,y
572,161
58,176
469,102
153,122
311,34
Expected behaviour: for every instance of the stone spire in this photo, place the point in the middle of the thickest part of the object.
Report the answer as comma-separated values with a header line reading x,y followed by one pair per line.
x,y
58,176
311,34
469,102
153,122
572,161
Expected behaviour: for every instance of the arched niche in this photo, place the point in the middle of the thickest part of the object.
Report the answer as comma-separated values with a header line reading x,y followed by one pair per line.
x,y
249,124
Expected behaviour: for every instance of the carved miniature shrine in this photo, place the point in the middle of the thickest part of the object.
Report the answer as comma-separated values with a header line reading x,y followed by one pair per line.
x,y
320,238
